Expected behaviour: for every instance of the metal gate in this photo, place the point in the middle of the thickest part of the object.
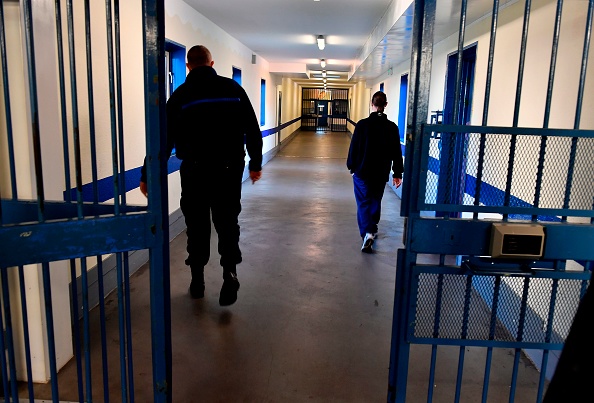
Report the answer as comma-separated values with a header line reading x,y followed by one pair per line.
x,y
48,246
498,238
324,109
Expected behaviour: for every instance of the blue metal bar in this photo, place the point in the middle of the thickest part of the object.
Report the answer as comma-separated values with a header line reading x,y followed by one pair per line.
x,y
128,302
86,328
101,235
3,366
549,212
539,173
481,156
436,324
433,364
101,288
92,137
74,100
120,112
49,322
553,63
7,329
153,14
570,171
494,20
459,57
122,327
112,97
519,337
60,49
7,110
463,336
584,66
549,332
76,332
25,317
549,98
420,81
522,62
512,148
492,327
32,75
580,98
533,131
399,350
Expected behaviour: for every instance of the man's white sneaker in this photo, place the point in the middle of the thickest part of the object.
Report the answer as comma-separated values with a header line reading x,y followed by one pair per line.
x,y
367,243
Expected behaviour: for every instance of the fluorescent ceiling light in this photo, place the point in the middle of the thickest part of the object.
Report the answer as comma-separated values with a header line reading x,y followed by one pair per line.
x,y
327,76
321,42
323,63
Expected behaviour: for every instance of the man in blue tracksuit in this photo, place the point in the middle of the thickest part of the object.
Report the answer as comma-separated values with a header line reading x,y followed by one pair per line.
x,y
209,119
374,150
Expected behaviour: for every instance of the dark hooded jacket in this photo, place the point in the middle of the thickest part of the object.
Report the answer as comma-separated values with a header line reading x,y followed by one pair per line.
x,y
375,149
209,120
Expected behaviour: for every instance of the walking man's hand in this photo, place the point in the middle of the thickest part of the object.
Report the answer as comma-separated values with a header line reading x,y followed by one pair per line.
x,y
144,189
255,176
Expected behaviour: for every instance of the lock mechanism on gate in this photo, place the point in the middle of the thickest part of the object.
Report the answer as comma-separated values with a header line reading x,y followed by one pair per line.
x,y
517,240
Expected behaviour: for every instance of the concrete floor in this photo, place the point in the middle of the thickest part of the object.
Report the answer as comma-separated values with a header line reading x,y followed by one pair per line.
x,y
314,314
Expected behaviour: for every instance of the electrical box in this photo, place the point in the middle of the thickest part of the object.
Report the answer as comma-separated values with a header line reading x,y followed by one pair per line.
x,y
517,240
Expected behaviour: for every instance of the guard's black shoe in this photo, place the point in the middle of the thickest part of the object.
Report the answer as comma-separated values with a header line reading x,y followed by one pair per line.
x,y
197,289
229,289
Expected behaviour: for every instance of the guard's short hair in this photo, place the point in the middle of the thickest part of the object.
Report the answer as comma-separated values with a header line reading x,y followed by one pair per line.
x,y
379,99
199,56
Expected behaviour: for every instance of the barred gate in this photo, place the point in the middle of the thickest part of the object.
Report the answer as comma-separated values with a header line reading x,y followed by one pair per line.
x,y
499,225
64,214
324,109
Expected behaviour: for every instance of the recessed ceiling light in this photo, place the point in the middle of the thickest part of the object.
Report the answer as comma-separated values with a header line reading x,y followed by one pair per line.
x,y
321,42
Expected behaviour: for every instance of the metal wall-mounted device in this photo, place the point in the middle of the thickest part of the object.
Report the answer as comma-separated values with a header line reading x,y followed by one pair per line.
x,y
515,240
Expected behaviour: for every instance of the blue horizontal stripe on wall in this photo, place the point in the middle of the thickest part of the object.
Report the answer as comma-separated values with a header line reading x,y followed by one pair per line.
x,y
132,177
105,185
491,195
268,132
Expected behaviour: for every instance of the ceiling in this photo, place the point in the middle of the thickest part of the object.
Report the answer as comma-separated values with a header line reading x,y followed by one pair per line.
x,y
364,38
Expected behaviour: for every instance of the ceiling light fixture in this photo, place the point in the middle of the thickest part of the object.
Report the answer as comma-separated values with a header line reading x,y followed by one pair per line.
x,y
321,42
323,63
324,81
324,73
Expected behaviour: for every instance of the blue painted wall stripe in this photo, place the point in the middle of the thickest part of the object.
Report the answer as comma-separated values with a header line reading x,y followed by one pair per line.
x,y
105,185
491,195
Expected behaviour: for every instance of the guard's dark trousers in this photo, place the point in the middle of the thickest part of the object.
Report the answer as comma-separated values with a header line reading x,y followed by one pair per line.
x,y
215,191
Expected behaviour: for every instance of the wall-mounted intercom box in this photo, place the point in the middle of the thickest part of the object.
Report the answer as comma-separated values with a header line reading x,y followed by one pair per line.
x,y
517,240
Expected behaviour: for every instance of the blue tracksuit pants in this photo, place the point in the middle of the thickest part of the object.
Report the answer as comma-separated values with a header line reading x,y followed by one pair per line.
x,y
369,204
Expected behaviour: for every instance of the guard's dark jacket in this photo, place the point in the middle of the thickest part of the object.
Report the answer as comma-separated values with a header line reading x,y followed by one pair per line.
x,y
375,148
209,119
